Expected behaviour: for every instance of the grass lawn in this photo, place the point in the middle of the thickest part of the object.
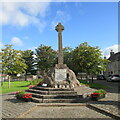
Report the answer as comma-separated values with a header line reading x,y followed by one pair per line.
x,y
93,85
22,85
14,86
17,85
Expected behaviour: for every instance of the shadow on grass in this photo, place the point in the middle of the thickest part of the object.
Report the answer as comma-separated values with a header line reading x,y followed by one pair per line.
x,y
98,86
23,86
94,85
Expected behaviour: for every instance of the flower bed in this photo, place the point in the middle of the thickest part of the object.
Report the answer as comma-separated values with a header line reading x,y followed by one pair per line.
x,y
31,86
21,95
98,94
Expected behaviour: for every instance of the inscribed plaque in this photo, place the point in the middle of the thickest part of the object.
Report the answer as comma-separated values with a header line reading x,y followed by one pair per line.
x,y
60,74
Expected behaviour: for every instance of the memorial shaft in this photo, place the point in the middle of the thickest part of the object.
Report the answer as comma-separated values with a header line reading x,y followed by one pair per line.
x,y
60,54
59,28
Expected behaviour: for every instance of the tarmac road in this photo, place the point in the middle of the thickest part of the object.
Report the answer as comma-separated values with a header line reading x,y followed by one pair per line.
x,y
113,85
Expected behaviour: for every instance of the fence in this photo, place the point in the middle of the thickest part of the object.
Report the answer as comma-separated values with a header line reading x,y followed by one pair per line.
x,y
21,78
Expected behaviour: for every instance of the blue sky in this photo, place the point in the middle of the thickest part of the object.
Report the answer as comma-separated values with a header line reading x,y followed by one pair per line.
x,y
27,25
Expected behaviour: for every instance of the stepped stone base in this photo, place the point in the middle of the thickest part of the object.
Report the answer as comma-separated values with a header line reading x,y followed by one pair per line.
x,y
54,95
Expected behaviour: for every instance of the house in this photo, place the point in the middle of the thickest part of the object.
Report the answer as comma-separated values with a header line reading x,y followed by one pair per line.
x,y
113,66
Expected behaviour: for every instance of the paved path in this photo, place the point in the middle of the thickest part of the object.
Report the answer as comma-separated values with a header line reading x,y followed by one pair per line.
x,y
64,112
110,102
12,108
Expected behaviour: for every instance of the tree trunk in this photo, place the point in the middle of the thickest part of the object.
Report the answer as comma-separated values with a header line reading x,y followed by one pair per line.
x,y
87,78
25,76
2,79
9,81
92,78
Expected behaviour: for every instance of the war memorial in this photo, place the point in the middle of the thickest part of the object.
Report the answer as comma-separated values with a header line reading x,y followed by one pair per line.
x,y
59,83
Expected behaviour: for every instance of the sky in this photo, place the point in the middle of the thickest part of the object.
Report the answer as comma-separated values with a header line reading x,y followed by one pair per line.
x,y
26,25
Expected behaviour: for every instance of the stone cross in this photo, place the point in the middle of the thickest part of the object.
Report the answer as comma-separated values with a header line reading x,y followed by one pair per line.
x,y
59,28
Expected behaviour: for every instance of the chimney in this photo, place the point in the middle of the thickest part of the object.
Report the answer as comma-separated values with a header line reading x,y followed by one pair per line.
x,y
111,53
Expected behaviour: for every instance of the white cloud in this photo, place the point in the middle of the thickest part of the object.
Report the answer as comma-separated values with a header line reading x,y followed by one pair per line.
x,y
16,41
23,14
114,48
61,16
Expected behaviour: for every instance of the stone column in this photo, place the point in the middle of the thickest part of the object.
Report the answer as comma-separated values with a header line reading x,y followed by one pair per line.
x,y
59,28
60,54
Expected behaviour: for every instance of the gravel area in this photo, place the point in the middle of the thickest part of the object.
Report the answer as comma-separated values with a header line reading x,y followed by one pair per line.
x,y
64,112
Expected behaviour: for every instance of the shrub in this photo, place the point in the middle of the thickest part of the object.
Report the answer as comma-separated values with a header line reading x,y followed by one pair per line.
x,y
19,94
98,93
23,95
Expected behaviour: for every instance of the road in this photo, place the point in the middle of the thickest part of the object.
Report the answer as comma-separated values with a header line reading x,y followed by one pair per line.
x,y
113,85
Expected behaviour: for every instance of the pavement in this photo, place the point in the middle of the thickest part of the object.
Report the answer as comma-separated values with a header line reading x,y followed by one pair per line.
x,y
109,104
64,112
104,108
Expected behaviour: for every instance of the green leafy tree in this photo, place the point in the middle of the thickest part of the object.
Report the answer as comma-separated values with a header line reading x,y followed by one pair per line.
x,y
12,61
29,59
46,57
88,59
67,53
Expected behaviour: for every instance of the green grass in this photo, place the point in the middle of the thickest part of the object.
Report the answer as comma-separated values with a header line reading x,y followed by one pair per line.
x,y
23,85
17,85
35,82
93,85
14,86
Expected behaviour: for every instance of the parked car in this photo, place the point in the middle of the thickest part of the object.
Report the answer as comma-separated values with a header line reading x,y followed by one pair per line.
x,y
113,78
101,77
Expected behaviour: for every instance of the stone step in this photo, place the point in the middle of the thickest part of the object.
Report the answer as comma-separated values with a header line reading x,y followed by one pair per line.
x,y
51,92
37,91
66,96
53,89
37,100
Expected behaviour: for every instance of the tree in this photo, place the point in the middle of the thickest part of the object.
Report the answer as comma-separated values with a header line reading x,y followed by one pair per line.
x,y
28,57
88,59
67,54
12,62
46,57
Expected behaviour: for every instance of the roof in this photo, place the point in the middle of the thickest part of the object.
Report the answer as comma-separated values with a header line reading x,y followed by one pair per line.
x,y
115,57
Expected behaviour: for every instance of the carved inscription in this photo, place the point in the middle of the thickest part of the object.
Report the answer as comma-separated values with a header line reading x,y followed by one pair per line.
x,y
60,74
